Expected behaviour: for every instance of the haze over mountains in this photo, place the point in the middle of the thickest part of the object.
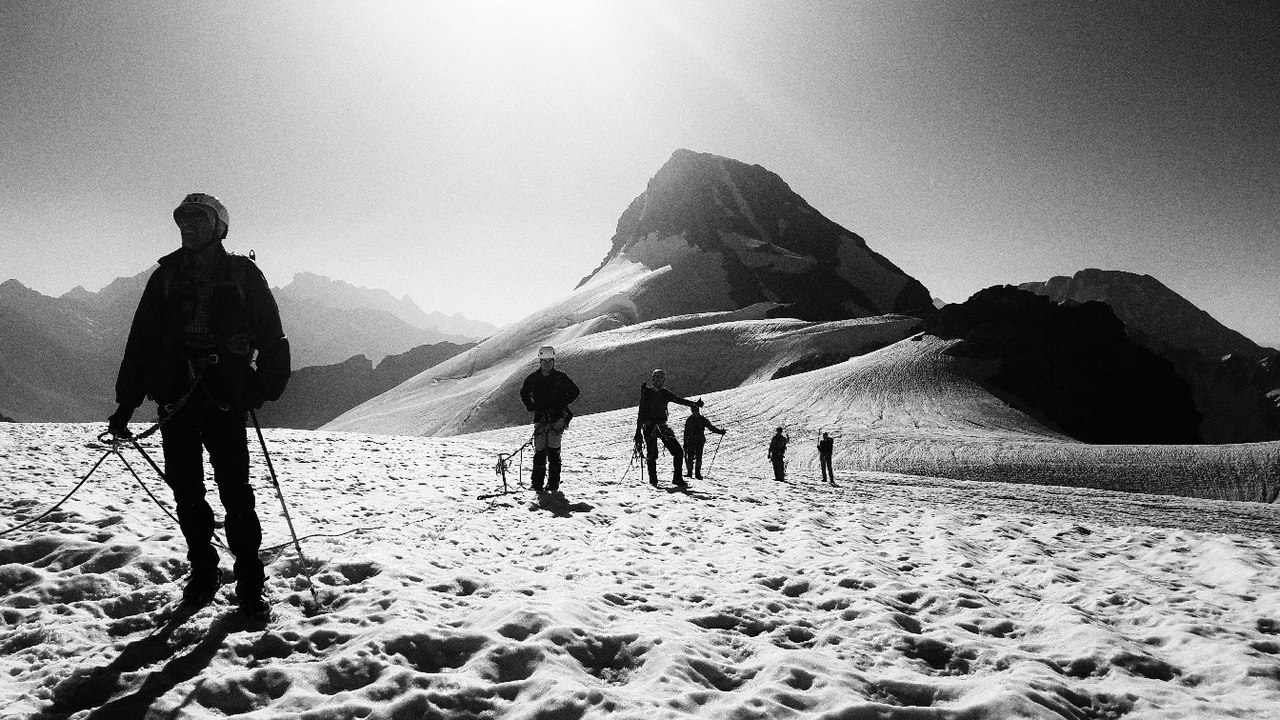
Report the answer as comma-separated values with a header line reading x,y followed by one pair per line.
x,y
59,356
733,283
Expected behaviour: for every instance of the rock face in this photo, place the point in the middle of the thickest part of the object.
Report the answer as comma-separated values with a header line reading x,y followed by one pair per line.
x,y
1234,381
1070,366
319,394
710,242
734,235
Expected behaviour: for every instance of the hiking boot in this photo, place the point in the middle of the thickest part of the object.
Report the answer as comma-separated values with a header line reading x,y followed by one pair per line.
x,y
202,585
253,606
698,476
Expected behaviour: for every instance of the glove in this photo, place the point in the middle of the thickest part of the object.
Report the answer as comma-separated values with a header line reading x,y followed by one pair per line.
x,y
118,422
699,403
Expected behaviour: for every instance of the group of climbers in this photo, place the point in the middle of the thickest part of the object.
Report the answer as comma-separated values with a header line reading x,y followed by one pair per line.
x,y
547,393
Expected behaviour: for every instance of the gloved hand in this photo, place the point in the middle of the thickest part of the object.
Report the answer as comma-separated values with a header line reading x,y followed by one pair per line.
x,y
699,403
118,422
723,432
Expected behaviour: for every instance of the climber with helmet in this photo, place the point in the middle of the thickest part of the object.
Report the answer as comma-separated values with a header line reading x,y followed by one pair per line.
x,y
207,346
547,393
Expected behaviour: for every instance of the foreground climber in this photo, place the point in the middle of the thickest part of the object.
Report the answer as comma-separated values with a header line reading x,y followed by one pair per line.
x,y
203,317
547,393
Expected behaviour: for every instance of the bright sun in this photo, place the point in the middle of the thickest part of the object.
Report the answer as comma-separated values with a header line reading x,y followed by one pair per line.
x,y
555,21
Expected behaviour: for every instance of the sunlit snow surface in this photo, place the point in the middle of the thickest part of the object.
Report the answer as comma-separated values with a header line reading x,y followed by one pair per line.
x,y
890,596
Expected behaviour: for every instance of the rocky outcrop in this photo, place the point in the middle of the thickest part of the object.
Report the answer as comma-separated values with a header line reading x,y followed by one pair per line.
x,y
1235,382
1069,366
319,394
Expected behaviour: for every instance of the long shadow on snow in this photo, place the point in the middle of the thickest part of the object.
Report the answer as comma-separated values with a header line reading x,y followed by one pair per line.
x,y
96,688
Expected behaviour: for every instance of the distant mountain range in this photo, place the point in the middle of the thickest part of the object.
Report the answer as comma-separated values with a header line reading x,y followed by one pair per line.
x,y
59,356
723,276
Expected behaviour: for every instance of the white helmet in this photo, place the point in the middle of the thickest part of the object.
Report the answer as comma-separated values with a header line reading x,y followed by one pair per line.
x,y
221,218
546,352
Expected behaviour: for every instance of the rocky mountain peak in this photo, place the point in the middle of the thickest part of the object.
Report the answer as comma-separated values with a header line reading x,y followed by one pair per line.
x,y
742,236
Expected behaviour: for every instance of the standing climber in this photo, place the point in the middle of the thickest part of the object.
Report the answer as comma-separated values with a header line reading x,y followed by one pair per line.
x,y
206,344
695,441
777,455
547,393
825,447
651,425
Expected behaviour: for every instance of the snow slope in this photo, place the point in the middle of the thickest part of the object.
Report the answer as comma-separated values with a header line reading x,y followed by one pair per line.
x,y
907,408
890,597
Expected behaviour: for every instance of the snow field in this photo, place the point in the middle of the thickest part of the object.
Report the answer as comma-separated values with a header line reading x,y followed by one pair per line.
x,y
889,597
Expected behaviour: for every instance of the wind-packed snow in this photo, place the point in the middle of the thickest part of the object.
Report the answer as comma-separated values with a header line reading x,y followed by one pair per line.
x,y
891,596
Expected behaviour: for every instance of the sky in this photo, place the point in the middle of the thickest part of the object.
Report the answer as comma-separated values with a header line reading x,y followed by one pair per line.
x,y
477,155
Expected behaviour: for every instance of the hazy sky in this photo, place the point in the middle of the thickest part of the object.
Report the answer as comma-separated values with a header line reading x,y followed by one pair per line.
x,y
477,155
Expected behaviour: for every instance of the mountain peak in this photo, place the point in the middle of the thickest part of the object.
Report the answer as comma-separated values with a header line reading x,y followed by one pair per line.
x,y
736,234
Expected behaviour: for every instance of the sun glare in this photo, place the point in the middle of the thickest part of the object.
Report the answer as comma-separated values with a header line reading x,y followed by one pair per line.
x,y
555,21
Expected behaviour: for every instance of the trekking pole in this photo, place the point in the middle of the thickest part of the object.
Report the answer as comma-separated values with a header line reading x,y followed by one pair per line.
x,y
714,453
306,564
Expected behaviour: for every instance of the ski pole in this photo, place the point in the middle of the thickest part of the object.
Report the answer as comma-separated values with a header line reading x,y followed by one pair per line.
x,y
714,453
306,565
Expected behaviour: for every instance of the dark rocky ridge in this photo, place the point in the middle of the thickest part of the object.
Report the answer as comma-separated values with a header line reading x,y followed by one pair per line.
x,y
1235,382
321,393
1069,366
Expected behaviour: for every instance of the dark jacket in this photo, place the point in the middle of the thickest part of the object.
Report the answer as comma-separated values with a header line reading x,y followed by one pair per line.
x,y
778,446
826,445
168,334
693,427
653,404
548,396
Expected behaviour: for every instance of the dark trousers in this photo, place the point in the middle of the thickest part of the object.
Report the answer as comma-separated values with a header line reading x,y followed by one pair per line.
x,y
200,425
828,474
693,448
546,464
779,467
660,431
